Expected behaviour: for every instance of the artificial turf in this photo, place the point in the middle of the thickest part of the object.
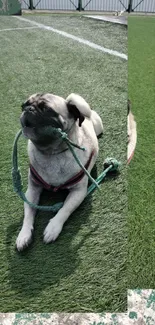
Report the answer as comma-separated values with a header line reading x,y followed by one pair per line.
x,y
85,269
141,185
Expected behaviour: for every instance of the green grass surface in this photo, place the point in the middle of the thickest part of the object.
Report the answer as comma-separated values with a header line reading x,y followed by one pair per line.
x,y
85,269
107,35
141,185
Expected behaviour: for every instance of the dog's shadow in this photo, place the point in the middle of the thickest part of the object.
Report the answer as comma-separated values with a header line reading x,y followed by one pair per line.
x,y
41,265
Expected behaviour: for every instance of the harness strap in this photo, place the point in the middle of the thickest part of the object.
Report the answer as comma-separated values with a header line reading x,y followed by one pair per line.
x,y
72,181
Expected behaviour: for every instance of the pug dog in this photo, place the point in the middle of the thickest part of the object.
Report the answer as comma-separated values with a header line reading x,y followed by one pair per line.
x,y
52,165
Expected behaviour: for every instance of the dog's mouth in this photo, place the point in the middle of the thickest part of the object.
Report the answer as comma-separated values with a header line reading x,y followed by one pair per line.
x,y
28,119
27,126
25,121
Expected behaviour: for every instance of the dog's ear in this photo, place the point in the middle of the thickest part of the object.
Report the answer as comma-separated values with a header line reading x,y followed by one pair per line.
x,y
78,107
75,113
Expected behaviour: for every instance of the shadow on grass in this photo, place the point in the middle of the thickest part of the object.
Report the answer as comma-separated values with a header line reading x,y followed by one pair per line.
x,y
44,267
41,265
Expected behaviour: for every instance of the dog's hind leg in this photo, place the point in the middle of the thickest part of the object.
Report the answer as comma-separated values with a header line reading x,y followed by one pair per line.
x,y
97,123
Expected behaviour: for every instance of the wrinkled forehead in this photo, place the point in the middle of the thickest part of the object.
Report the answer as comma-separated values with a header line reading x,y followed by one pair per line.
x,y
58,104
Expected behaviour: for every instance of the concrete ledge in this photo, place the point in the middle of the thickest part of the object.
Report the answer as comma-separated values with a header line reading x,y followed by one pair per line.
x,y
86,12
123,20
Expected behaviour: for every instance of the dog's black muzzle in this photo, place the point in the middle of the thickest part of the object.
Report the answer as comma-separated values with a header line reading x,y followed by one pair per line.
x,y
29,118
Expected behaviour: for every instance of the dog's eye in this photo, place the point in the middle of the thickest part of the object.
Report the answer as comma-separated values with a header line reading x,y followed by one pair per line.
x,y
41,106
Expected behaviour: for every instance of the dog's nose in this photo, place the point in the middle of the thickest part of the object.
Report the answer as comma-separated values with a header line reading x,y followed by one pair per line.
x,y
25,119
29,109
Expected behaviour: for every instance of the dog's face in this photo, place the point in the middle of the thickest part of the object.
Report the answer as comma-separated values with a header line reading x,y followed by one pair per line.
x,y
41,110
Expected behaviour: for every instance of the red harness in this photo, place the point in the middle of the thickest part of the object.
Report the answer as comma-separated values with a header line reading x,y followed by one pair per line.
x,y
72,181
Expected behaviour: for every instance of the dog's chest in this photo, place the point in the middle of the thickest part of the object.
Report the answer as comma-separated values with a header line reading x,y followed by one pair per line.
x,y
57,169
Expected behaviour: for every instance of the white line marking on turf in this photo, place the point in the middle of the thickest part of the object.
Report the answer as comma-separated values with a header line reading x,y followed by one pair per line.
x,y
78,39
18,28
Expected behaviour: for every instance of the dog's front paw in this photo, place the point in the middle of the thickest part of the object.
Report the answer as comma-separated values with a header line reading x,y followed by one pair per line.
x,y
52,230
24,238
